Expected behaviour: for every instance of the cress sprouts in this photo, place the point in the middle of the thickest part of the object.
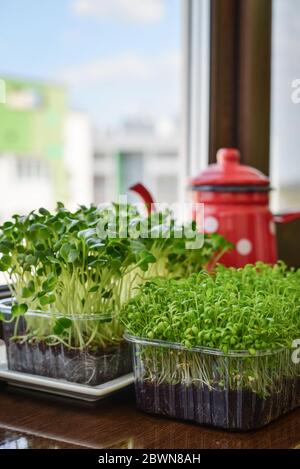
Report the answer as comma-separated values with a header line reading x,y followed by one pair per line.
x,y
261,373
252,308
247,319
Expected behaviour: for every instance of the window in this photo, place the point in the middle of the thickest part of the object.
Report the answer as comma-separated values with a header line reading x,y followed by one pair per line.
x,y
285,123
31,168
99,156
145,91
167,154
167,186
285,160
196,47
109,90
131,168
100,189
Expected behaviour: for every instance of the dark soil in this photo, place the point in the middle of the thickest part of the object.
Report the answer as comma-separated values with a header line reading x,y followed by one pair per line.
x,y
79,366
232,410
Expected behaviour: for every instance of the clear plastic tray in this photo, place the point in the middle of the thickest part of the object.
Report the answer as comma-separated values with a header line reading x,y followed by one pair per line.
x,y
89,364
235,391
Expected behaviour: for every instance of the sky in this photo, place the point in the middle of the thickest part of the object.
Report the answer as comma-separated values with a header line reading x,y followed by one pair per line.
x,y
116,58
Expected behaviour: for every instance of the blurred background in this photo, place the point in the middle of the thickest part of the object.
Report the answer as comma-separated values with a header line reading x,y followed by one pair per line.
x,y
96,95
92,101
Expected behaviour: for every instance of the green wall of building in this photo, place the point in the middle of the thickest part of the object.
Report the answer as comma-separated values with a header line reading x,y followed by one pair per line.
x,y
31,119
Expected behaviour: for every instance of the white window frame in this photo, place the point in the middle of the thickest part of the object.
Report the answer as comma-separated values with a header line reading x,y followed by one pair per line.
x,y
196,86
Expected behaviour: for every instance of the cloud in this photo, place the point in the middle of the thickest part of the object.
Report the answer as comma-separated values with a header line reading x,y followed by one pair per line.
x,y
140,11
111,88
123,68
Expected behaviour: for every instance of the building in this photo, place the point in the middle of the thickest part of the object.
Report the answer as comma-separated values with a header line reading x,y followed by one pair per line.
x,y
45,149
138,152
47,153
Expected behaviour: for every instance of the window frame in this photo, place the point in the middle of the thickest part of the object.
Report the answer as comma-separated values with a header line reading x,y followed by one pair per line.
x,y
226,81
196,88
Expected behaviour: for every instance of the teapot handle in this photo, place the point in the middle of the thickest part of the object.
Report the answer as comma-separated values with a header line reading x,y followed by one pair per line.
x,y
143,192
286,217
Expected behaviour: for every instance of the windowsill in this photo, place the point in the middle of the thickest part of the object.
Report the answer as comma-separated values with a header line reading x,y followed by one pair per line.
x,y
48,422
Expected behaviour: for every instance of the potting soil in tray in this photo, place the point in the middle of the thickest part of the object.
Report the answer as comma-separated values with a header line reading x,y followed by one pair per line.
x,y
78,366
230,409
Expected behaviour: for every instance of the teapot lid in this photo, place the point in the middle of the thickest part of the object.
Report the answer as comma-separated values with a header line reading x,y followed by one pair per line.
x,y
228,171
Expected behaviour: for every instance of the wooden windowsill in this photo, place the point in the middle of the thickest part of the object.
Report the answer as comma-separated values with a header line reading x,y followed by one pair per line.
x,y
35,420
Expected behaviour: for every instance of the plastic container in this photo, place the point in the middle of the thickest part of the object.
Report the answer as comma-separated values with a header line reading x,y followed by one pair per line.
x,y
88,364
236,391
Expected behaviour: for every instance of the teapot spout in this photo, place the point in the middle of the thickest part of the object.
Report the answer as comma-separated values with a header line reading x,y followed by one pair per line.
x,y
143,192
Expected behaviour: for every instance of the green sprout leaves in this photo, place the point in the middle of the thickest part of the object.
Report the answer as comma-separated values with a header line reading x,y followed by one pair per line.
x,y
50,282
59,263
44,211
144,259
28,290
61,325
19,309
5,262
254,308
47,299
69,253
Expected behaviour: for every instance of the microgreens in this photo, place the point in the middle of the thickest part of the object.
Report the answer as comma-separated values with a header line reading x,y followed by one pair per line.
x,y
252,308
235,328
58,264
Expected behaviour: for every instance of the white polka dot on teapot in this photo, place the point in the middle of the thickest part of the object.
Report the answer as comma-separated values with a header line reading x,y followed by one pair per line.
x,y
211,224
244,246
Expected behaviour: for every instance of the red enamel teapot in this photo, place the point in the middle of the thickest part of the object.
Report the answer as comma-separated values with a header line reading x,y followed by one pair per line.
x,y
236,205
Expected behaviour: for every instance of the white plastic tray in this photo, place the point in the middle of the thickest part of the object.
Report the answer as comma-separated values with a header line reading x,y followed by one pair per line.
x,y
61,387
